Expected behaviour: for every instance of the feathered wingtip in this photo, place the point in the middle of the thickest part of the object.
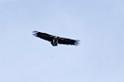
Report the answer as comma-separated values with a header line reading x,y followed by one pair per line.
x,y
77,42
35,33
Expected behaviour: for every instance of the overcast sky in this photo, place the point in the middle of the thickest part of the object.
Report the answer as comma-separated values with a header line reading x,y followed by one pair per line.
x,y
98,24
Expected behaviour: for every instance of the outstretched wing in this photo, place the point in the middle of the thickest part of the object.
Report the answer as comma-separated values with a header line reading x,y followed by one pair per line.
x,y
68,41
44,36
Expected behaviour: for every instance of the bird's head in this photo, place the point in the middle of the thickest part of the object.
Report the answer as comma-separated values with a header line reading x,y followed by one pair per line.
x,y
56,37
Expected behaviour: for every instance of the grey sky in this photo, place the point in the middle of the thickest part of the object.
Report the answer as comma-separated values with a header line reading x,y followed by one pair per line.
x,y
99,25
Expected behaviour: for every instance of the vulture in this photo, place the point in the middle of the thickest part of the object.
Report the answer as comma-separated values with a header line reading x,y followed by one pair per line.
x,y
55,40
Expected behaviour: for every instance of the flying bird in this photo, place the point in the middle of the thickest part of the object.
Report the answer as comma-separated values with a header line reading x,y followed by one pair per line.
x,y
55,40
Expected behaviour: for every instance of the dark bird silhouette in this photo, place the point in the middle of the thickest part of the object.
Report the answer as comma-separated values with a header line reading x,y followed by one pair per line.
x,y
55,40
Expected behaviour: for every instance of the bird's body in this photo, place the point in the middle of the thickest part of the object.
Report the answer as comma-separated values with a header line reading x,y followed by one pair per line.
x,y
55,39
